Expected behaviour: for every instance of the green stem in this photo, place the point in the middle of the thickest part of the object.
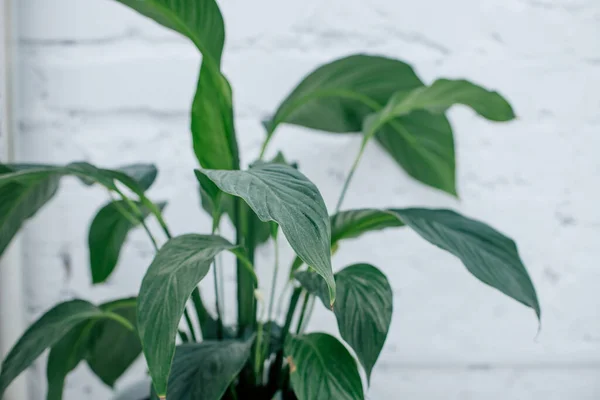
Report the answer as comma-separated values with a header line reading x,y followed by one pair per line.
x,y
201,312
265,349
302,312
263,148
274,282
258,354
217,302
309,312
275,373
190,325
184,337
351,174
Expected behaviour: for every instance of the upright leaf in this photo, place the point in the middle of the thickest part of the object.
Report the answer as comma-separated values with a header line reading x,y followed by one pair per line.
x,y
489,255
108,233
363,310
198,20
212,115
336,97
205,370
282,194
111,347
213,131
322,368
176,270
45,333
20,201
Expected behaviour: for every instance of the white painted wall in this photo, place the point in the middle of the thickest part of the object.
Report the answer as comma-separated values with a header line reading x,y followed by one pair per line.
x,y
99,83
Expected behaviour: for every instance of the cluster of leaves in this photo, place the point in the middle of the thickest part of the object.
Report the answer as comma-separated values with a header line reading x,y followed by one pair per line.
x,y
381,98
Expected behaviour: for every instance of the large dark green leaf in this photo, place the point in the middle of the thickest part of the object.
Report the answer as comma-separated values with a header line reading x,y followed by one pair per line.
x,y
413,129
45,333
176,270
489,255
112,348
212,114
353,223
363,310
108,233
280,193
63,358
322,368
336,97
445,93
339,96
205,370
422,143
108,346
20,201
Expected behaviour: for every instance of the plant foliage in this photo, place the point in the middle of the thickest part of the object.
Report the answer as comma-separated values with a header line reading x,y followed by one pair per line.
x,y
189,351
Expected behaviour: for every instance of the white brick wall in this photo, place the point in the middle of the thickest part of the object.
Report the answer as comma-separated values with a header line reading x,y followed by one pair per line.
x,y
99,83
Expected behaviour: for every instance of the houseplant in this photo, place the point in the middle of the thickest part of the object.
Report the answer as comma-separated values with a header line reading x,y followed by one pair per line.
x,y
262,356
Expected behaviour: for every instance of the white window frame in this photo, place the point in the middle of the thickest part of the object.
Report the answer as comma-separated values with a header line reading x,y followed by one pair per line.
x,y
12,310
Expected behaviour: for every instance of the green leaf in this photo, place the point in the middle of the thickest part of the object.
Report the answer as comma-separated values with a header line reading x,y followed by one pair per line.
x,y
336,97
45,333
445,93
363,311
201,21
20,201
205,370
112,348
87,173
108,233
322,368
353,223
213,131
489,255
176,270
413,129
282,194
63,358
144,174
31,175
423,145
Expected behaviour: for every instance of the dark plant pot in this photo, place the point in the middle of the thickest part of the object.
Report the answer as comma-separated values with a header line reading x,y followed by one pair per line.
x,y
141,391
